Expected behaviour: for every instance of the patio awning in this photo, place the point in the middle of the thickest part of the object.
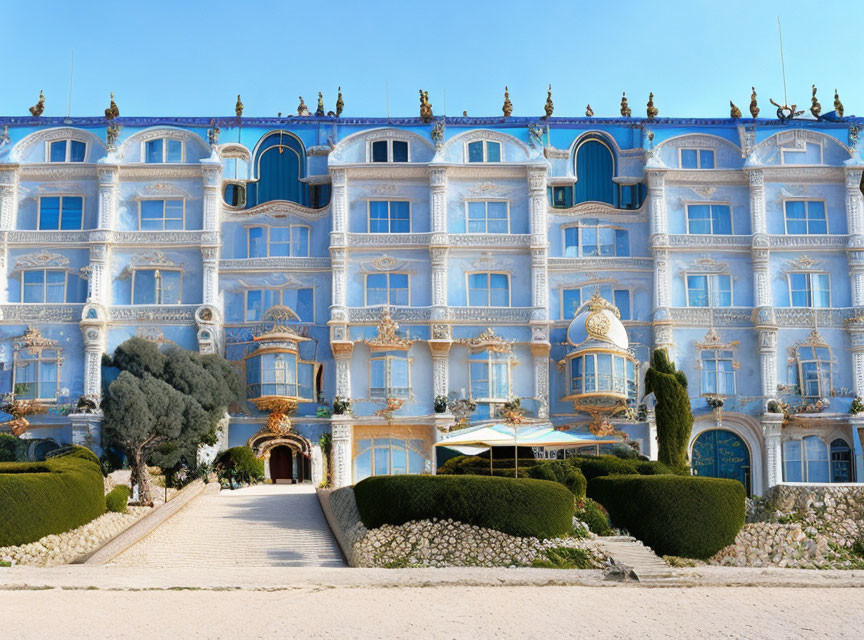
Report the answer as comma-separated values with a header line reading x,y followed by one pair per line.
x,y
502,435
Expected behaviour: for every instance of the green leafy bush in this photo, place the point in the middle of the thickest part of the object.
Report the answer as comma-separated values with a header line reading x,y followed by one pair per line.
x,y
672,410
117,498
11,448
564,558
479,465
597,466
41,498
594,515
692,517
520,507
561,472
239,464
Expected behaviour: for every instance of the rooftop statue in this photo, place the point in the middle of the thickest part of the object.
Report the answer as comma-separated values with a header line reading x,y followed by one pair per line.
x,y
838,106
302,109
508,106
754,107
425,108
319,110
112,111
37,109
815,107
238,108
734,112
549,107
340,104
589,112
651,111
785,111
625,109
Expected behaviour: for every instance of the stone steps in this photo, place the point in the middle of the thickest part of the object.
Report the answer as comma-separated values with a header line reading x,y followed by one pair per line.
x,y
629,552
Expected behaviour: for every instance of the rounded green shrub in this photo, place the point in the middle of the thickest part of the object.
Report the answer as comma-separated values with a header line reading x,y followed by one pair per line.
x,y
53,496
561,472
594,515
117,498
520,507
687,516
239,464
597,466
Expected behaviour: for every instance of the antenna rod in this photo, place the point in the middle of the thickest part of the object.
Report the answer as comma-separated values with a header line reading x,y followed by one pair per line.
x,y
782,62
71,77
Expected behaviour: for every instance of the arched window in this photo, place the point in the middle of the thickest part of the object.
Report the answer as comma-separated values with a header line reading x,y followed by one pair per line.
x,y
595,168
841,461
280,163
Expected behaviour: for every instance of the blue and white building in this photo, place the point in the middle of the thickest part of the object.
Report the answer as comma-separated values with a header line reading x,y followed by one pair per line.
x,y
391,261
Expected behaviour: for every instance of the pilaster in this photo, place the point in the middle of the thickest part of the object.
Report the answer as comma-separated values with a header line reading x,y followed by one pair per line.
x,y
343,351
659,250
855,227
440,350
540,354
8,215
109,182
772,425
212,174
341,428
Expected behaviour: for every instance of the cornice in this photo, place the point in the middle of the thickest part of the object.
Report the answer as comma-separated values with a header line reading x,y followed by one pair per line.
x,y
169,314
601,264
710,317
803,174
688,242
160,171
808,318
275,209
385,171
41,313
48,171
600,210
474,170
687,177
274,264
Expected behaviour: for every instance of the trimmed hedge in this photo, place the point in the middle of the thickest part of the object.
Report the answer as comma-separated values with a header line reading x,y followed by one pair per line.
x,y
520,507
239,464
594,515
479,465
597,466
117,498
562,473
687,516
41,498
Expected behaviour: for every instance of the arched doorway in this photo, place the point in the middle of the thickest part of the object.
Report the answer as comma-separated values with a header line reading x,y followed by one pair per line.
x,y
281,464
288,457
720,453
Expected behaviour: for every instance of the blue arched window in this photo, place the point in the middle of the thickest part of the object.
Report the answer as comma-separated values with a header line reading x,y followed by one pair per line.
x,y
280,163
595,168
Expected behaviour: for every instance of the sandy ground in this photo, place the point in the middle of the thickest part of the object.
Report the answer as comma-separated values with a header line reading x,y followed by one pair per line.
x,y
437,612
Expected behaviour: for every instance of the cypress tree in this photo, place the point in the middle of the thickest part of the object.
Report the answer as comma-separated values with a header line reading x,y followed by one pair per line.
x,y
672,410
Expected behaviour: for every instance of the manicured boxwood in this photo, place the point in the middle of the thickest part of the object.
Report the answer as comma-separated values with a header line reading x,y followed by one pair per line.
x,y
520,507
692,517
561,472
479,465
40,498
597,466
239,464
117,498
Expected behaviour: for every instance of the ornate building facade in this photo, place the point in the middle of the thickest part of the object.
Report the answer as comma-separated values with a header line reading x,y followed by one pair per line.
x,y
394,262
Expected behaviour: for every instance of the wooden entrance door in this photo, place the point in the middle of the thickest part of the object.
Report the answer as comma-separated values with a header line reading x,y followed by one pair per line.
x,y
281,464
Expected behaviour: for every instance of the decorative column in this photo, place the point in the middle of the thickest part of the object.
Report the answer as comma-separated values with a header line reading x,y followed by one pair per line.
x,y
439,248
340,453
440,350
339,251
539,323
8,215
343,350
212,172
660,252
109,181
772,424
855,227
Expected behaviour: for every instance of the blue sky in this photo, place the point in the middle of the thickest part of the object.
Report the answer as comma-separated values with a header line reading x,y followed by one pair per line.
x,y
192,57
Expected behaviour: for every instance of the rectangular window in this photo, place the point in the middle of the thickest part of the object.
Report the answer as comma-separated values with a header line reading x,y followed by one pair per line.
x,y
156,286
707,219
389,216
37,374
43,285
64,213
810,290
161,215
488,290
572,299
389,376
484,151
488,217
718,373
489,373
561,197
811,154
594,240
387,289
163,150
67,151
709,290
814,371
278,241
697,159
390,151
805,217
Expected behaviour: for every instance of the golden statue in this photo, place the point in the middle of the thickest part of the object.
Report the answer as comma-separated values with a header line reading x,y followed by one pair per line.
x,y
754,107
838,106
734,112
589,112
815,107
425,108
37,109
508,106
319,110
302,109
625,109
238,108
112,111
549,107
339,103
651,111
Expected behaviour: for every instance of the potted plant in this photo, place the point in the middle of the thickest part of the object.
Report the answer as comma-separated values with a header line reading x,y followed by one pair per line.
x,y
341,405
440,404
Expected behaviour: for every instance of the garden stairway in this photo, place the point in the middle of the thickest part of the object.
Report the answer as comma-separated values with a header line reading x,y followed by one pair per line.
x,y
261,526
629,552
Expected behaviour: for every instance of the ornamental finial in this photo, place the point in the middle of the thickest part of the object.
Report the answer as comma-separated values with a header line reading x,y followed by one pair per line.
x,y
549,107
589,112
651,111
508,106
625,109
112,111
319,110
754,106
815,107
37,109
340,104
734,112
302,109
238,107
838,106
426,114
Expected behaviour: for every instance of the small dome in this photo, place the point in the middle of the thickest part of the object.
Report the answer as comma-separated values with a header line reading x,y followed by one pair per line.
x,y
598,320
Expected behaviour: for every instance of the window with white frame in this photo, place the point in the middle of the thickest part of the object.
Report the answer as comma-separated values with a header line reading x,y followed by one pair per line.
x,y
810,154
390,457
52,286
718,372
67,151
389,216
593,239
156,286
484,151
36,373
595,372
487,289
696,158
713,219
291,241
387,289
488,216
280,374
805,217
489,373
573,298
388,150
301,301
161,215
61,213
814,370
709,290
389,375
163,150
810,289
805,460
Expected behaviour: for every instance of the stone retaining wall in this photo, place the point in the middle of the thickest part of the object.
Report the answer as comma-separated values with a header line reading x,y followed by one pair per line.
x,y
340,510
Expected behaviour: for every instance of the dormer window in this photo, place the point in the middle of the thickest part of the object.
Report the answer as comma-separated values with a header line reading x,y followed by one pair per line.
x,y
389,151
67,151
696,158
163,150
484,151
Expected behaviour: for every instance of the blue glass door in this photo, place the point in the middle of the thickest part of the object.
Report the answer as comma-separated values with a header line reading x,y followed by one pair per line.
x,y
719,453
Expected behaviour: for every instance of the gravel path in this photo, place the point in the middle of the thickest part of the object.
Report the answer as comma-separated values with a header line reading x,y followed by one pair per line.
x,y
439,612
260,526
